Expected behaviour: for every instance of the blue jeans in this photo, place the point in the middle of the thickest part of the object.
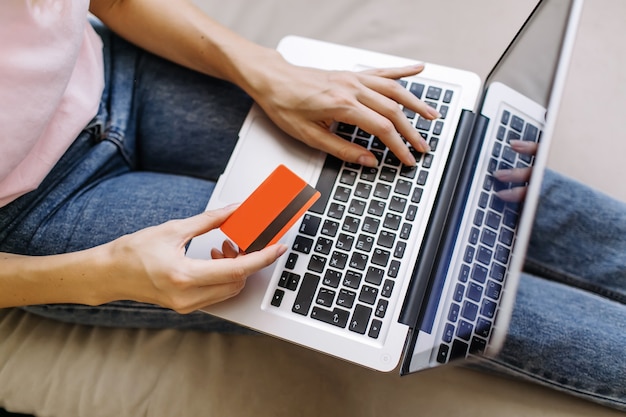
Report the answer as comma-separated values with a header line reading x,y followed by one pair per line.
x,y
163,135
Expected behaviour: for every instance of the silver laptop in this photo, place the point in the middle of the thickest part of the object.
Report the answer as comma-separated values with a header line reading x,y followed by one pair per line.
x,y
406,267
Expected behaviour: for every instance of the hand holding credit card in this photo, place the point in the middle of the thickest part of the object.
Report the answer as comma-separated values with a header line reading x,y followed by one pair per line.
x,y
268,213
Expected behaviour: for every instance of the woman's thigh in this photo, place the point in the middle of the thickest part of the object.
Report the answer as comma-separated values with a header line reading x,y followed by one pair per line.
x,y
186,122
567,338
118,205
579,238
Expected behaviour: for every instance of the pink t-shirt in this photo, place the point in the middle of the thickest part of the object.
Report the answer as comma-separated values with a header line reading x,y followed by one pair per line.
x,y
51,81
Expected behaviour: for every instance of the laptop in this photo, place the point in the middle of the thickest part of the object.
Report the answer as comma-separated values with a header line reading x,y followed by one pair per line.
x,y
400,267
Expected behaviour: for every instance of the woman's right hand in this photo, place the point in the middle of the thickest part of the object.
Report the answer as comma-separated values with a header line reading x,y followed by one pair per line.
x,y
150,265
516,175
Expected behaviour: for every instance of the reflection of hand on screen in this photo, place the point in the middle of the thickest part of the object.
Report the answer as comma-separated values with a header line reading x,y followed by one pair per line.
x,y
516,175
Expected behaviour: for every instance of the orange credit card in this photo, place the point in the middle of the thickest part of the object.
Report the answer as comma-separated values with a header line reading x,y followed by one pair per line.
x,y
268,213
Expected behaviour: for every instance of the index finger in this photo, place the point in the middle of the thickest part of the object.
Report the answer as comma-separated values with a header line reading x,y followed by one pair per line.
x,y
227,270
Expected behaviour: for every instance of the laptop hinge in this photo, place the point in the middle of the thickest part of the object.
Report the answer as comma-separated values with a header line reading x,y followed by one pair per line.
x,y
430,271
422,269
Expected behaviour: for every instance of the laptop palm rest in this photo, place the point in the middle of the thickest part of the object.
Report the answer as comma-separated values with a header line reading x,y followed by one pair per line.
x,y
266,146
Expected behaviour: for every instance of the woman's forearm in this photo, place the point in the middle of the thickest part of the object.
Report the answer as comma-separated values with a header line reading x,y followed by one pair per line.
x,y
66,278
179,31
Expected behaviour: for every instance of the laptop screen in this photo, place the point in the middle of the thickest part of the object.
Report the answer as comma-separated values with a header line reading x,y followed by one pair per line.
x,y
529,63
527,69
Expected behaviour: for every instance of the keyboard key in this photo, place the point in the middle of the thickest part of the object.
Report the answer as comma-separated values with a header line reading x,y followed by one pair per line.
x,y
352,280
325,297
453,313
387,288
365,243
488,308
477,345
483,327
469,311
479,273
277,299
433,93
464,273
292,259
305,296
351,224
310,224
348,177
382,191
375,329
448,333
493,290
338,260
417,89
358,261
459,350
442,354
336,317
422,177
381,308
374,275
336,210
323,245
342,194
317,263
386,239
497,271
403,187
392,221
458,292
363,190
447,97
464,330
380,257
346,298
370,225
474,292
360,318
388,174
393,269
400,249
302,244
376,208
531,133
417,195
506,116
330,228
344,242
332,278
517,123
368,294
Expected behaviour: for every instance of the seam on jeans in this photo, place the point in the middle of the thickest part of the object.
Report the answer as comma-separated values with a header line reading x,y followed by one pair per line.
x,y
117,138
501,367
541,270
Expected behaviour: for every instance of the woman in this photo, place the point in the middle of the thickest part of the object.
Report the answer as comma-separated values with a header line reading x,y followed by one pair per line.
x,y
110,154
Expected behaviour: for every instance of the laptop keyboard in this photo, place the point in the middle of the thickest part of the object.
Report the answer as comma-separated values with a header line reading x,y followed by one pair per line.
x,y
344,264
488,247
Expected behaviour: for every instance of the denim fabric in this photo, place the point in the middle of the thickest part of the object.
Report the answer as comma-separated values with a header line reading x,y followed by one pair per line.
x,y
162,136
568,329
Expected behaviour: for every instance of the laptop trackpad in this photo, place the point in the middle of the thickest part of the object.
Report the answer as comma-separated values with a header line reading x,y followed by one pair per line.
x,y
260,149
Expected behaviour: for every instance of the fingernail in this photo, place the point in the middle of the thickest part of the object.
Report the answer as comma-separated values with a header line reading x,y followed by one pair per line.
x,y
433,113
367,160
281,250
502,174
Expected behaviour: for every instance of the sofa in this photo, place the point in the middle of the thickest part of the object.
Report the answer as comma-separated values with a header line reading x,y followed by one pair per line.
x,y
56,369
